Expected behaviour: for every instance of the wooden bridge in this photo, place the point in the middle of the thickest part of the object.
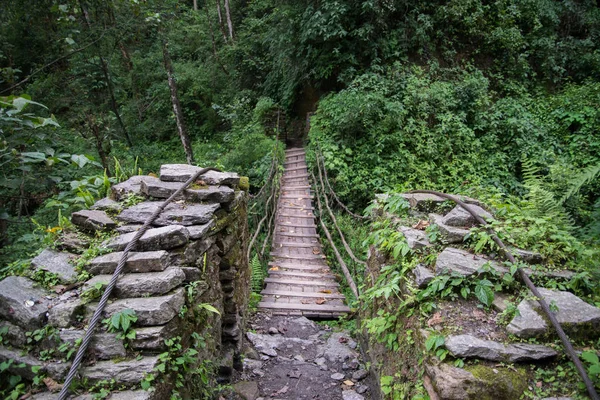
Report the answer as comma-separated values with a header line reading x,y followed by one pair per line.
x,y
299,281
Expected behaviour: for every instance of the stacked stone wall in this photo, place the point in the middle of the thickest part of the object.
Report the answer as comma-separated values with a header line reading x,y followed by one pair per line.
x,y
193,255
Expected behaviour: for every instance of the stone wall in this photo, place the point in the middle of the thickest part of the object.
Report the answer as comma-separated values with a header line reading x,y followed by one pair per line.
x,y
193,254
498,359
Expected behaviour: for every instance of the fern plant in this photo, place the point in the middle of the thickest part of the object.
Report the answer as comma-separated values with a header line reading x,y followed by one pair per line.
x,y
258,274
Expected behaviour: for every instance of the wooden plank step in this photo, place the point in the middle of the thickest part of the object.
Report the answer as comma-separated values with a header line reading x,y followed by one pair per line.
x,y
304,307
283,281
280,245
294,187
307,257
289,177
301,267
303,160
296,196
307,208
272,292
295,216
314,275
296,168
292,151
294,225
305,235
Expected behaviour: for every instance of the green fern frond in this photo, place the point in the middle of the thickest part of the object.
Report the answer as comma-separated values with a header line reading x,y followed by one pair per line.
x,y
258,274
529,170
587,175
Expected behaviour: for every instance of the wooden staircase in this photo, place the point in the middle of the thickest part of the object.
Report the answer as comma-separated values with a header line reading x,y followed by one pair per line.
x,y
299,282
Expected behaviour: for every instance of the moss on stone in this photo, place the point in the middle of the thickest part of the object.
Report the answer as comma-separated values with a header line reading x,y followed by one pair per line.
x,y
244,183
505,384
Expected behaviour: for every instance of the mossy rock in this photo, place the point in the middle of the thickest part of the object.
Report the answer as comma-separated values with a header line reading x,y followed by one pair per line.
x,y
497,383
244,183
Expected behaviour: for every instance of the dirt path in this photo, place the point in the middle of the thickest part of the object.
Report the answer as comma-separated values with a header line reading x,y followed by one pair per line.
x,y
291,357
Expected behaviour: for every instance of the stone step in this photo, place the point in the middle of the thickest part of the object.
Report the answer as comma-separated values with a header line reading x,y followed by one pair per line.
x,y
183,172
141,284
152,338
23,302
164,238
129,372
271,292
103,345
148,261
93,220
58,263
316,308
297,282
151,311
173,214
162,190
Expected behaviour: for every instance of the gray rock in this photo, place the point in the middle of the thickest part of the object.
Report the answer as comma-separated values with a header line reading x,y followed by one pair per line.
x,y
164,238
173,214
103,345
266,344
351,395
415,238
361,389
64,313
335,351
422,275
128,228
107,204
183,172
14,335
338,376
57,263
423,201
148,261
131,395
500,302
200,231
575,315
142,284
154,187
461,262
93,220
22,303
212,194
153,337
531,257
192,274
152,310
14,369
450,382
450,234
195,250
248,390
131,186
359,375
462,218
128,372
467,346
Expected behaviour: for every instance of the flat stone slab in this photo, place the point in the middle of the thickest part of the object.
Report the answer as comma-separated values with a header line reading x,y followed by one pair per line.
x,y
130,371
423,201
467,346
142,284
200,231
214,194
415,238
57,263
153,337
63,313
151,310
575,316
107,204
173,214
103,345
183,172
450,234
462,218
163,238
131,186
22,303
93,220
461,262
147,261
423,275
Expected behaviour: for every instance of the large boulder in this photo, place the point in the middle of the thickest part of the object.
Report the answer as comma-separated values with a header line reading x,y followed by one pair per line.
x,y
575,316
467,346
22,303
56,262
450,234
462,218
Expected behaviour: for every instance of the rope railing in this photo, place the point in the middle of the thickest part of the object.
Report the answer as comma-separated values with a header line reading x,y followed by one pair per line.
x,y
561,333
113,281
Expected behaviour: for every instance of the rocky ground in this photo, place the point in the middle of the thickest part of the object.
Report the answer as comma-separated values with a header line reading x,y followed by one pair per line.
x,y
290,357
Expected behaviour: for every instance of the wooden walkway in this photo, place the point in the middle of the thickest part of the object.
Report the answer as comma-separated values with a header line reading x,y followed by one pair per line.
x,y
299,282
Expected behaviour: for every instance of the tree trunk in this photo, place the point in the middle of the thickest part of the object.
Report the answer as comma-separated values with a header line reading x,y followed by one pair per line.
x,y
221,20
183,135
106,73
229,23
100,143
195,5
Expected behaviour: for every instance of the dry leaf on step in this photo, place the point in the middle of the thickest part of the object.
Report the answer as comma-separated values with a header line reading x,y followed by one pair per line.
x,y
422,224
348,382
275,268
320,300
52,385
325,291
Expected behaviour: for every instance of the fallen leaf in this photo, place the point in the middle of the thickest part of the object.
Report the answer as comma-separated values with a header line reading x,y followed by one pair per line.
x,y
348,382
275,268
327,291
538,384
59,288
52,385
421,225
320,300
435,320
315,252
